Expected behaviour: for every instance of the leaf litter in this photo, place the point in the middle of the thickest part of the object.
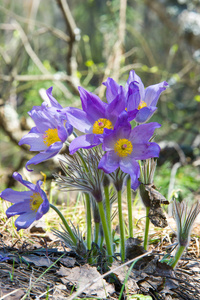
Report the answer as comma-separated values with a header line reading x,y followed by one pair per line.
x,y
31,258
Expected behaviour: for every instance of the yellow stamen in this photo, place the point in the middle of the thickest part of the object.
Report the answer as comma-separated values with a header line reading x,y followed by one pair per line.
x,y
123,147
51,136
35,201
142,104
99,126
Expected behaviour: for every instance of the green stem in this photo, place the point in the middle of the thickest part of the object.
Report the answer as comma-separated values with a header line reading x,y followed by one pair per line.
x,y
146,233
129,202
177,256
96,239
108,213
89,221
105,231
65,223
121,225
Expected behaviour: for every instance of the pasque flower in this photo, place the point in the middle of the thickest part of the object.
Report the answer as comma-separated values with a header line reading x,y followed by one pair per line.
x,y
136,97
51,131
125,146
29,205
94,117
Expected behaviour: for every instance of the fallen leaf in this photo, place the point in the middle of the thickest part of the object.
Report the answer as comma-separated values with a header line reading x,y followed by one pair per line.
x,y
39,261
81,276
122,273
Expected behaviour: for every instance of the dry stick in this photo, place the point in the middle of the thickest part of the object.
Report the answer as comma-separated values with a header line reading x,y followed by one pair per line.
x,y
106,274
39,77
13,292
115,57
55,31
36,59
74,33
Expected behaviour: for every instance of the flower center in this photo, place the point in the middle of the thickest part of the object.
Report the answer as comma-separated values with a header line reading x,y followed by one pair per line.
x,y
99,126
142,104
35,201
51,136
123,147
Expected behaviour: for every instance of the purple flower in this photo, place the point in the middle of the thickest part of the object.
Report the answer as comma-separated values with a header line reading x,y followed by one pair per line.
x,y
29,205
3,258
93,119
136,97
51,131
125,146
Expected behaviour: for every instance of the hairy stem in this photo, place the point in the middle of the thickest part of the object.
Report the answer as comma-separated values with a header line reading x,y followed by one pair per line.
x,y
89,221
177,256
96,235
129,202
105,231
108,212
146,232
121,225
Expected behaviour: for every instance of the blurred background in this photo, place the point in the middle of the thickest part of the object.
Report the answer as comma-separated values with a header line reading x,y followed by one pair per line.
x,y
65,44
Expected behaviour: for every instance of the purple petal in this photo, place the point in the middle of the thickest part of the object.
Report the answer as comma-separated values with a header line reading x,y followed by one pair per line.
x,y
116,107
144,114
62,133
109,162
25,220
27,184
133,97
152,93
19,208
92,104
78,119
142,133
44,207
111,137
145,151
134,77
43,121
84,141
35,140
51,151
53,101
130,166
132,114
15,196
112,89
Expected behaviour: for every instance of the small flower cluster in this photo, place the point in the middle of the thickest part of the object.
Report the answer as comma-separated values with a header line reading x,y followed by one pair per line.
x,y
119,128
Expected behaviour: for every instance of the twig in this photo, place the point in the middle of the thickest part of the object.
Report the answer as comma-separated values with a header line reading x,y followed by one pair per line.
x,y
106,274
115,57
74,33
57,32
36,59
39,77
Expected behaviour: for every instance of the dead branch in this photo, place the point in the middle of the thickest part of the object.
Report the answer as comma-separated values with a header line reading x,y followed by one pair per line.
x,y
74,34
36,59
114,60
41,77
55,31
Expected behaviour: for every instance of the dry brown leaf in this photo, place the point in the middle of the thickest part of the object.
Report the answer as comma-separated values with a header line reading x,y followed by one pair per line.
x,y
39,261
81,276
12,294
121,274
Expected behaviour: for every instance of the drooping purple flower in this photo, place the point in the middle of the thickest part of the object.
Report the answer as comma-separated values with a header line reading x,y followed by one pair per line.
x,y
51,131
94,117
136,96
29,205
125,146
